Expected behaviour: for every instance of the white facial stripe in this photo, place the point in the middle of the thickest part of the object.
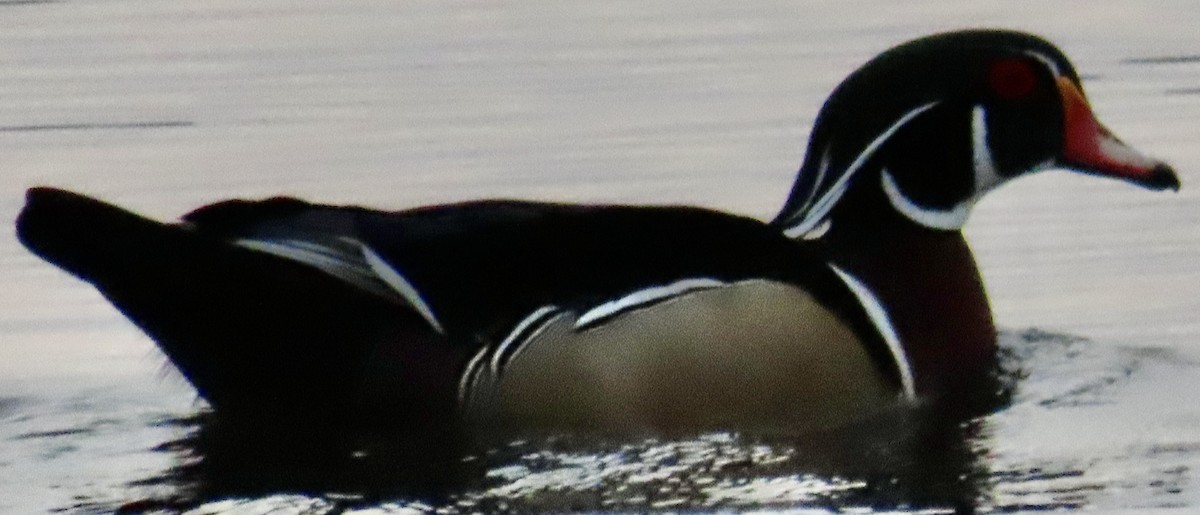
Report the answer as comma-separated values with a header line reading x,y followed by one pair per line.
x,y
522,333
824,167
949,219
391,277
821,208
1053,66
986,175
883,324
817,232
643,297
811,222
985,178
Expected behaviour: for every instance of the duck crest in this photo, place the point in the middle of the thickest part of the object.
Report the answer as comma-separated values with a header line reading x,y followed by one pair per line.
x,y
817,192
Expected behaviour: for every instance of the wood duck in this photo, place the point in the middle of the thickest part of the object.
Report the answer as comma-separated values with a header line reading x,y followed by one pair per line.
x,y
861,294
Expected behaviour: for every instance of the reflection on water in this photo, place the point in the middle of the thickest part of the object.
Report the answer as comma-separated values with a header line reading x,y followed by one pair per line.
x,y
1013,456
903,462
906,460
1096,426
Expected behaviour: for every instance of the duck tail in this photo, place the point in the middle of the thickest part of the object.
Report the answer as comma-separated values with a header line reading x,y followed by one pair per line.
x,y
84,236
251,331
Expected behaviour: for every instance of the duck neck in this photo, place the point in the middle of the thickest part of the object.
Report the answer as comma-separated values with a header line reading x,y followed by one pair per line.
x,y
927,282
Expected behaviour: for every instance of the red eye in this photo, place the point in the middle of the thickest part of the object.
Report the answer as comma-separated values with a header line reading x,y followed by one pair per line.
x,y
1012,78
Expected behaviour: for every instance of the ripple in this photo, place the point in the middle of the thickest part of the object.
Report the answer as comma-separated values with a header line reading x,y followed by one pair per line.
x,y
1166,59
95,126
1090,429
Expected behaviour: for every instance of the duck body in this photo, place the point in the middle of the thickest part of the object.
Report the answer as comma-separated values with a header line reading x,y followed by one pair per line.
x,y
860,294
274,308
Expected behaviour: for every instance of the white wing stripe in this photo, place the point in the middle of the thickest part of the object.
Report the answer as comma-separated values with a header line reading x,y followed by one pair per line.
x,y
397,282
1046,61
340,264
821,170
643,297
296,250
883,323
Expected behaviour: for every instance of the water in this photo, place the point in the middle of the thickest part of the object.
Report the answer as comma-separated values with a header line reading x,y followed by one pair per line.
x,y
166,106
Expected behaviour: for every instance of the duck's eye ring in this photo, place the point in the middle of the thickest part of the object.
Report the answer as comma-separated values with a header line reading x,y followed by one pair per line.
x,y
1012,78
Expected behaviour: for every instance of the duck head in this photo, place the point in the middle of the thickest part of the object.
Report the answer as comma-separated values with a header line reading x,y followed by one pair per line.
x,y
927,128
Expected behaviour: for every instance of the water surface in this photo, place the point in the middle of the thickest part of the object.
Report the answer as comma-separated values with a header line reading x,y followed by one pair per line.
x,y
166,106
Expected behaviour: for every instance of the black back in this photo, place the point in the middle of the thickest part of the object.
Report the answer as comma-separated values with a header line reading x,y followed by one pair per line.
x,y
482,266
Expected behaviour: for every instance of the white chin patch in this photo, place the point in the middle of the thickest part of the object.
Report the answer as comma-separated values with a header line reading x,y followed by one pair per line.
x,y
986,178
945,219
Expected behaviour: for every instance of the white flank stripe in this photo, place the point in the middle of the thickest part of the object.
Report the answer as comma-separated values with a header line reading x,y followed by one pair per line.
x,y
538,321
883,323
468,376
821,209
646,296
401,285
949,219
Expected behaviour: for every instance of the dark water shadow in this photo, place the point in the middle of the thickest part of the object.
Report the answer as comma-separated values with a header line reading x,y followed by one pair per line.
x,y
335,468
907,459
